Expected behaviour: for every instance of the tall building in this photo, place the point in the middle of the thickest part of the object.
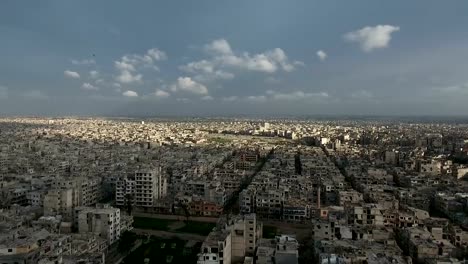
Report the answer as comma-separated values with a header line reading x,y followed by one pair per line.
x,y
59,202
150,185
86,191
124,187
231,241
103,221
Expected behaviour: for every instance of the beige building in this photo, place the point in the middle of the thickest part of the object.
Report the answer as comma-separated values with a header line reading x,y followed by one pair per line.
x,y
59,202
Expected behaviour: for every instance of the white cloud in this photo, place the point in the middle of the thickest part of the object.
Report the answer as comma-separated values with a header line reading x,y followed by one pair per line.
x,y
370,38
89,87
129,65
124,66
83,62
71,74
207,98
297,95
257,98
3,92
198,66
453,89
206,71
161,94
322,55
157,54
219,46
186,84
128,77
230,98
223,57
130,94
183,100
94,74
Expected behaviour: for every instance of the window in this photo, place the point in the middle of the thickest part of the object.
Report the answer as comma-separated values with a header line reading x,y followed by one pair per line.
x,y
10,250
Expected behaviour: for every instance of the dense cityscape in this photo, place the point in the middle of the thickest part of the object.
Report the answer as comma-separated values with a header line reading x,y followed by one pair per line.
x,y
199,190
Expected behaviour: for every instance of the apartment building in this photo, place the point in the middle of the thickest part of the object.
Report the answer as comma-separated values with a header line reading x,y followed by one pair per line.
x,y
124,187
102,220
150,186
59,202
231,241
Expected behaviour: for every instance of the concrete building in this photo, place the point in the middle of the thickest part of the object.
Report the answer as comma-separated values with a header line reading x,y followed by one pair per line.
x,y
59,202
103,221
150,186
232,242
124,187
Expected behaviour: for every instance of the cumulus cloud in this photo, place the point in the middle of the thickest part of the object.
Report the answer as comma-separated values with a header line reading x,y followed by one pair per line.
x,y
207,98
129,65
230,98
206,71
186,84
83,62
71,74
94,74
296,95
3,92
130,94
128,77
371,38
322,55
223,59
89,87
219,46
161,94
257,98
453,89
157,54
183,100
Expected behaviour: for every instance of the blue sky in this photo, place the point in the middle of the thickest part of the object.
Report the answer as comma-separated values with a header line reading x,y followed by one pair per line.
x,y
233,57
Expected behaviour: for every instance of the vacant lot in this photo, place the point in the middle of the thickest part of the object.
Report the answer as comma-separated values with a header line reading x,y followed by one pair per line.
x,y
192,227
152,223
199,228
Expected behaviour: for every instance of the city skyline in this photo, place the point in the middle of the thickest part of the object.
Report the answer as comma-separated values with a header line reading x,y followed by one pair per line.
x,y
122,58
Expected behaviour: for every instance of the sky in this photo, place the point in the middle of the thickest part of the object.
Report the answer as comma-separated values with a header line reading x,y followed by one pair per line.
x,y
244,57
